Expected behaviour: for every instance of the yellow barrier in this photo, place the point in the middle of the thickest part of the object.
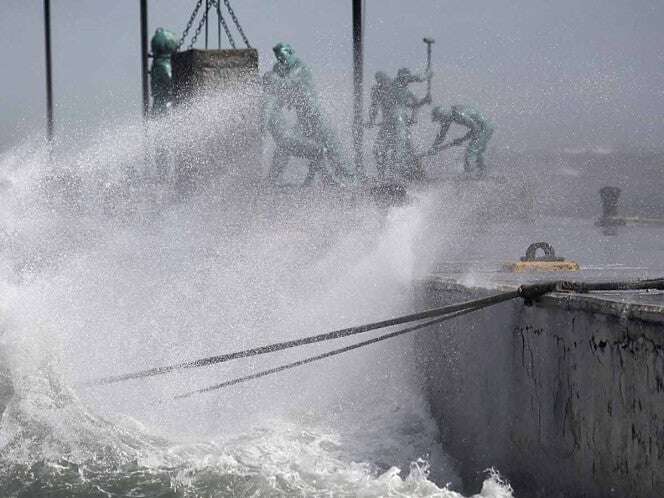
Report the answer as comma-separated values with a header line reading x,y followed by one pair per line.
x,y
541,266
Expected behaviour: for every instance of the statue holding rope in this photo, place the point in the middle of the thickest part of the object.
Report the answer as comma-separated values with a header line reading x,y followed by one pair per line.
x,y
312,121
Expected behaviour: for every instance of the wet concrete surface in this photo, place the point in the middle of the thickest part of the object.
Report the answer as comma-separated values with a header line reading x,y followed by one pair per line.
x,y
565,397
636,252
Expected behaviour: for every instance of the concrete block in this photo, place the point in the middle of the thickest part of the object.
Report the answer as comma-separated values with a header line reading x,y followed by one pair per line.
x,y
219,94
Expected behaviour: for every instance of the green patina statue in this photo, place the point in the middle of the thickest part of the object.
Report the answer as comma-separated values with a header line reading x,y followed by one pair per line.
x,y
478,136
381,100
164,43
287,140
312,123
393,148
405,106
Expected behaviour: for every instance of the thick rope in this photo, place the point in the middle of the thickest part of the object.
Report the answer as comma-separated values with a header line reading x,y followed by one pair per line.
x,y
656,283
337,334
527,292
533,291
334,352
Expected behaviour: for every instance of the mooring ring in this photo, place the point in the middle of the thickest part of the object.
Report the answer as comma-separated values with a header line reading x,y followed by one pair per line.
x,y
549,252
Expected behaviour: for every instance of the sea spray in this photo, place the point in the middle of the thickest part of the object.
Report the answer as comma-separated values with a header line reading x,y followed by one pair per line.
x,y
91,291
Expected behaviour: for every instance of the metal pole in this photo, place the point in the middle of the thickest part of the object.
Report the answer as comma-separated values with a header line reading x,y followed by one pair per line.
x,y
429,42
207,10
144,58
49,75
218,25
358,110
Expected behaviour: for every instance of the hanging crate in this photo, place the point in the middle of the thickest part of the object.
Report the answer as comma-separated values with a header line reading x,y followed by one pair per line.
x,y
197,72
218,95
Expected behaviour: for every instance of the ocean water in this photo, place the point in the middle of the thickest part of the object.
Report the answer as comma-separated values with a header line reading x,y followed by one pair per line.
x,y
105,270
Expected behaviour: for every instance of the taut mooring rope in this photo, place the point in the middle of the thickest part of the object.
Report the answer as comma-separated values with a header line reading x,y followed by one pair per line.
x,y
527,292
337,334
322,356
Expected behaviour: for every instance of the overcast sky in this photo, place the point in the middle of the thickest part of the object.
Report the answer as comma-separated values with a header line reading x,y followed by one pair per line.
x,y
564,73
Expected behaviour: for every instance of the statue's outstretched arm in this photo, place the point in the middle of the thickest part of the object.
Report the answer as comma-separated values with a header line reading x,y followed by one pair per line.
x,y
460,140
414,103
422,76
440,138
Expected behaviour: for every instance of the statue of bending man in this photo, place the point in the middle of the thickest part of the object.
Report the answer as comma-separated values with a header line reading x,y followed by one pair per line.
x,y
288,142
479,133
312,122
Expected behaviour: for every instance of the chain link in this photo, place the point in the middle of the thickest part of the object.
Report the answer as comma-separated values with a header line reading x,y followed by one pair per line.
x,y
223,23
200,26
227,3
197,32
190,22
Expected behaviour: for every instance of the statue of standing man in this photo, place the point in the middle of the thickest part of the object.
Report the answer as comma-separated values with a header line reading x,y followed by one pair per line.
x,y
405,104
287,141
382,101
163,44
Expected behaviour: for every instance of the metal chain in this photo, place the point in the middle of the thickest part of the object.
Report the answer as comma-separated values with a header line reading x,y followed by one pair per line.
x,y
194,14
223,23
190,22
200,26
237,23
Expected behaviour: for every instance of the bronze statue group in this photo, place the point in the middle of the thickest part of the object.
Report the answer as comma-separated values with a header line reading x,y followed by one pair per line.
x,y
289,87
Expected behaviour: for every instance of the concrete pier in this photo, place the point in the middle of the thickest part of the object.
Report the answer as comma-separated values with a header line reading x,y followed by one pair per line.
x,y
565,398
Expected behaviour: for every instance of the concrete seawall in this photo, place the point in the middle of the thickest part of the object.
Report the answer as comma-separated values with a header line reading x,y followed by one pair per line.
x,y
565,398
